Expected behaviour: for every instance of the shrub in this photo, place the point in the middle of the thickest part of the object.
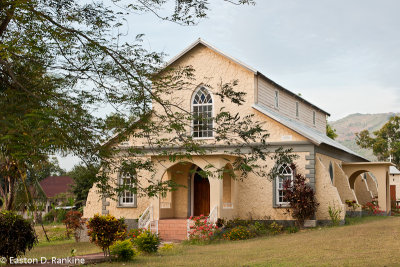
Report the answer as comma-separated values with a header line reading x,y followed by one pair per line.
x,y
134,233
74,224
123,250
292,229
147,242
334,214
275,228
49,217
105,230
301,198
373,208
167,247
238,233
236,222
61,215
259,228
17,235
202,229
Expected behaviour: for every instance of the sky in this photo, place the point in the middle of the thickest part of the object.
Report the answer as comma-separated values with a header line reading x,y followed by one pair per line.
x,y
343,56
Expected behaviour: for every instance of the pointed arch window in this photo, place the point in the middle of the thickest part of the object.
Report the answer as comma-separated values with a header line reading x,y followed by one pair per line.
x,y
202,108
285,173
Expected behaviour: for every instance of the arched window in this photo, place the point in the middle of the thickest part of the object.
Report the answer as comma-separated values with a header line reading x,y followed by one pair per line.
x,y
285,172
202,108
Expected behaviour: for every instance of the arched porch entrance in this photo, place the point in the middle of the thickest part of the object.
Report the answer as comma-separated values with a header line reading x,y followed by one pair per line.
x,y
356,170
192,197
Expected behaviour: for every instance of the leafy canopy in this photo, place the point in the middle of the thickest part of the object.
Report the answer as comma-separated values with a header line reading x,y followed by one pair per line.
x,y
385,143
62,60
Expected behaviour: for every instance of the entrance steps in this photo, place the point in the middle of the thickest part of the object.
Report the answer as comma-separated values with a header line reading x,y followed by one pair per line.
x,y
172,229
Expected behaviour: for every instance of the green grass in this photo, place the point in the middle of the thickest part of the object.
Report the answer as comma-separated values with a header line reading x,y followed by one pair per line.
x,y
368,241
61,249
358,220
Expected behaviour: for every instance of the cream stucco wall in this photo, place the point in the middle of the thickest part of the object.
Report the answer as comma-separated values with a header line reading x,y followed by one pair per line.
x,y
361,191
326,193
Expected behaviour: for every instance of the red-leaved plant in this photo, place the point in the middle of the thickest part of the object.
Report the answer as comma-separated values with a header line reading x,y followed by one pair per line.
x,y
373,208
202,229
74,224
301,198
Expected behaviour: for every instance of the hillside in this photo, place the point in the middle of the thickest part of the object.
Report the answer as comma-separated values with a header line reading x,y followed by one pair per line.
x,y
347,127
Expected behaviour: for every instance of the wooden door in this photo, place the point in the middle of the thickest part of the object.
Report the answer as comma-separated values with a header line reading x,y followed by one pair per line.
x,y
393,192
201,196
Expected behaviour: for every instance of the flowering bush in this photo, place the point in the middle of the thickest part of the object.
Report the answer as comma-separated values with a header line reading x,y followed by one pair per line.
x,y
105,230
74,224
134,233
238,233
202,228
372,208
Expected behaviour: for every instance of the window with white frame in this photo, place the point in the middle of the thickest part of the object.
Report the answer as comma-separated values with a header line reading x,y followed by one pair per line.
x,y
285,173
202,108
276,99
127,197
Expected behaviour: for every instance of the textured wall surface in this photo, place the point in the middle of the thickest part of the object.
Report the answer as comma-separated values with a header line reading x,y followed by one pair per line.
x,y
372,186
327,195
342,184
93,203
361,191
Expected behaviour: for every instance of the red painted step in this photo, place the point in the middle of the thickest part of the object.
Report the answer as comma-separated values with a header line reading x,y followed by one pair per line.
x,y
172,229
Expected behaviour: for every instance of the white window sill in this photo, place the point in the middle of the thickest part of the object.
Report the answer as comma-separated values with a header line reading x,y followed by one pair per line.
x,y
126,206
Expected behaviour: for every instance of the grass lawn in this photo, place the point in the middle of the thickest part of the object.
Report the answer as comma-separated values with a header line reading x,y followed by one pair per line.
x,y
59,246
366,242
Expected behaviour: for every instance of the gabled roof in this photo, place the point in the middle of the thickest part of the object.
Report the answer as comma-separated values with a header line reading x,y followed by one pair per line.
x,y
313,135
54,185
251,69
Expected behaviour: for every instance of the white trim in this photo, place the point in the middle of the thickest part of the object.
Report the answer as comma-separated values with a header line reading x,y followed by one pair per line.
x,y
277,181
120,199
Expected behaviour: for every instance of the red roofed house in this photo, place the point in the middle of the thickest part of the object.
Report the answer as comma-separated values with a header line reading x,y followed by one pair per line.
x,y
57,190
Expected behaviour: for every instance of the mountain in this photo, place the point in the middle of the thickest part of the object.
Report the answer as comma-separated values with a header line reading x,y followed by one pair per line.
x,y
347,127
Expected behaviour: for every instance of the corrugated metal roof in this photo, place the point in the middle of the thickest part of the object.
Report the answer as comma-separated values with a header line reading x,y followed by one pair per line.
x,y
394,170
313,135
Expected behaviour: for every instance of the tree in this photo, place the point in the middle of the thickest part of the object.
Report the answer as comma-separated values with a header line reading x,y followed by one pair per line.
x,y
330,132
84,178
60,60
385,143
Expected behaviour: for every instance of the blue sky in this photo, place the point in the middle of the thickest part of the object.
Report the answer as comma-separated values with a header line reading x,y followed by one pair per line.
x,y
343,56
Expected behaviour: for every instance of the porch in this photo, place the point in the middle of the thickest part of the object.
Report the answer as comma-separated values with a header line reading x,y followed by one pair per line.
x,y
197,194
